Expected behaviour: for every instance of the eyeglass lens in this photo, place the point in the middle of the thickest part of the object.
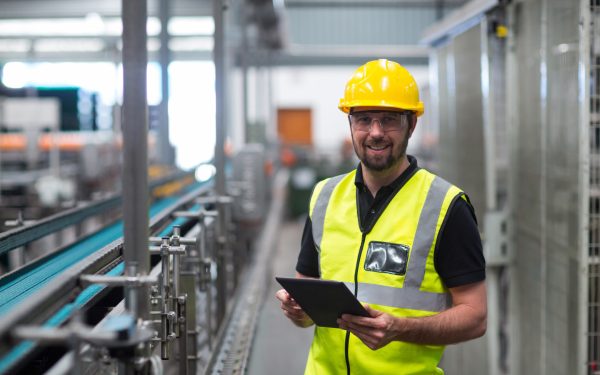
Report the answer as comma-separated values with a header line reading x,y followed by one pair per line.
x,y
389,121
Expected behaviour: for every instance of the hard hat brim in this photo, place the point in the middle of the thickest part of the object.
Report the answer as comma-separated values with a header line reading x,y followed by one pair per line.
x,y
346,107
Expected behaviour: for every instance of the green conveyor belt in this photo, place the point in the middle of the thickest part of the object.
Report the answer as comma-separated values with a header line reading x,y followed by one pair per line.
x,y
17,289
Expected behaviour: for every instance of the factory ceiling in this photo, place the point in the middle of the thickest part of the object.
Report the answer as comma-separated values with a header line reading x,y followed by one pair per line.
x,y
264,31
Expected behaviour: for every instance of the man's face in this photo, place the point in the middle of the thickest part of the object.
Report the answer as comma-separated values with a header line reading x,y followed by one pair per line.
x,y
380,137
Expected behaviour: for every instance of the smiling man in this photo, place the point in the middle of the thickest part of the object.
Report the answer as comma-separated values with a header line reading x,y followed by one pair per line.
x,y
403,239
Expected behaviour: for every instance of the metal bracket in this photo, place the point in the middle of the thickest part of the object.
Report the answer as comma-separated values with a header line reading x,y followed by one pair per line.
x,y
495,244
19,221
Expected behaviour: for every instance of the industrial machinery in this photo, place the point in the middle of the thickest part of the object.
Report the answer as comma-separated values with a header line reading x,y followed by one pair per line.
x,y
64,312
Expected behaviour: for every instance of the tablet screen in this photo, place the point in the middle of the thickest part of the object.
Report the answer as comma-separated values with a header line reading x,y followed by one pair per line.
x,y
323,300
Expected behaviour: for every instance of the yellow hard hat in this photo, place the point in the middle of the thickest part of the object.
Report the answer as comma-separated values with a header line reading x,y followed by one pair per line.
x,y
382,83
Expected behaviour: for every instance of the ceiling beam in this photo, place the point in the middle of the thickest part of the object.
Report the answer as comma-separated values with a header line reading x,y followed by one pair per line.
x,y
17,9
373,3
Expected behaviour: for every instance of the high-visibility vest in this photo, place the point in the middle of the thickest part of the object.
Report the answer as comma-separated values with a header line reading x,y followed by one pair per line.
x,y
410,223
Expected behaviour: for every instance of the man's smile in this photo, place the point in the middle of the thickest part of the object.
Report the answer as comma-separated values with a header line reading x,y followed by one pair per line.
x,y
378,147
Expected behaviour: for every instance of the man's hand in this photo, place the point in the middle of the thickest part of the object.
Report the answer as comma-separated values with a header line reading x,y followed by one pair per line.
x,y
375,332
465,320
292,310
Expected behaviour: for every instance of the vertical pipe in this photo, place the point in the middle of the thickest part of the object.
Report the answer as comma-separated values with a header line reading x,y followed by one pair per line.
x,y
220,85
272,111
205,278
176,273
164,146
219,60
1,119
248,136
489,169
543,200
175,292
166,299
516,294
488,120
135,152
585,149
183,336
176,261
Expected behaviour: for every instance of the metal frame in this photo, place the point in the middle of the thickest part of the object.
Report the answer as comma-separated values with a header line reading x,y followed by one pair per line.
x,y
457,20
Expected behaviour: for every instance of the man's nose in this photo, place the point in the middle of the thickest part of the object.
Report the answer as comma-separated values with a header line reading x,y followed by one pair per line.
x,y
376,130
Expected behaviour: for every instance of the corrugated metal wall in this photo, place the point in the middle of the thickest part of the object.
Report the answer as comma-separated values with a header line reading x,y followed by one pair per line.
x,y
547,168
359,25
546,218
461,122
458,98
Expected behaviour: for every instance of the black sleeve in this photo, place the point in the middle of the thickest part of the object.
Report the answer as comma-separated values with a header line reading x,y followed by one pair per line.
x,y
458,256
308,259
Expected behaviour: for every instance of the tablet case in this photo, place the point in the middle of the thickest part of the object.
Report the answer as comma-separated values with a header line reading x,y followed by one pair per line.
x,y
323,300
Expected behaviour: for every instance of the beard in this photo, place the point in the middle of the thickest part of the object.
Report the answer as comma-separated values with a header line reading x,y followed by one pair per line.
x,y
385,162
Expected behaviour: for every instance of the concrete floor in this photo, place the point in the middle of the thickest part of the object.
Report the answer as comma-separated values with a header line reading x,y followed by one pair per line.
x,y
280,347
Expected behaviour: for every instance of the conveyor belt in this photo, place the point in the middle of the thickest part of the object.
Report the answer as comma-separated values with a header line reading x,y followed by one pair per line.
x,y
21,286
56,320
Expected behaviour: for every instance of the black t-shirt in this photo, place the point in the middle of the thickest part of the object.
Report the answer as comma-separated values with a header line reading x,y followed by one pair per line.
x,y
458,256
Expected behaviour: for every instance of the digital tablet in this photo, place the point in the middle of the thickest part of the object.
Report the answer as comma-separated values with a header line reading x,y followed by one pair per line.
x,y
323,300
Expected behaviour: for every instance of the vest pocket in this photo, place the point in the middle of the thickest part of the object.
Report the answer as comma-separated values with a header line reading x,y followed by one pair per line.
x,y
386,257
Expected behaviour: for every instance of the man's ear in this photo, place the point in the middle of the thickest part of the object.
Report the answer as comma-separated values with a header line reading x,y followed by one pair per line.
x,y
413,125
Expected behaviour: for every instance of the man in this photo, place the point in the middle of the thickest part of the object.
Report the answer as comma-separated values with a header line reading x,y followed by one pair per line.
x,y
403,239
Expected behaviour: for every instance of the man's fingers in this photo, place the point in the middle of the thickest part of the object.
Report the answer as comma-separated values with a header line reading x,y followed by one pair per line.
x,y
374,313
292,309
367,331
282,295
365,338
360,320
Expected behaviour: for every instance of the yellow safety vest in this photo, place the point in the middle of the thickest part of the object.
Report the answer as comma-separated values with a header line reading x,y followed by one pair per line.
x,y
411,221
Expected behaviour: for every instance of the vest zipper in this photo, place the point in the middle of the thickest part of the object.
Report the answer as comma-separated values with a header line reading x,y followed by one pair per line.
x,y
347,343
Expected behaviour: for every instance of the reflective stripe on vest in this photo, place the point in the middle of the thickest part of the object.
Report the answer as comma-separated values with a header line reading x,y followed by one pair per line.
x,y
409,296
318,215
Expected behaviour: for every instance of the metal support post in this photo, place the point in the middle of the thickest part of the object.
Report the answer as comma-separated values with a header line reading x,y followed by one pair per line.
x,y
183,337
135,153
166,299
220,86
248,134
165,152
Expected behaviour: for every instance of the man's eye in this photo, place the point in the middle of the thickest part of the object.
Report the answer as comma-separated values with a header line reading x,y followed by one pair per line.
x,y
364,120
